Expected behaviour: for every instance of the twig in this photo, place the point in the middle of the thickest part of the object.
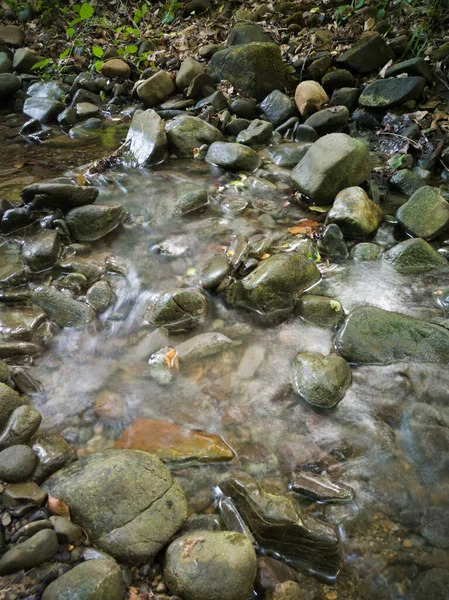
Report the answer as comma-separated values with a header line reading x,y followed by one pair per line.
x,y
416,145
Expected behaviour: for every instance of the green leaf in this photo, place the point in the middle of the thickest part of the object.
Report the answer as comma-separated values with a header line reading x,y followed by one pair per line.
x,y
76,8
315,9
75,21
121,51
97,51
86,10
98,64
70,32
335,304
398,163
359,4
380,14
131,49
64,54
41,64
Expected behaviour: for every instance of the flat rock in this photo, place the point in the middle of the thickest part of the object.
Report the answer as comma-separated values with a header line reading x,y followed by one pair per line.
x,y
335,162
211,565
62,308
90,580
414,256
174,444
126,501
385,93
177,310
257,133
47,89
277,107
31,553
413,66
246,33
328,120
233,156
425,214
369,54
22,424
372,335
146,138
93,222
58,195
288,155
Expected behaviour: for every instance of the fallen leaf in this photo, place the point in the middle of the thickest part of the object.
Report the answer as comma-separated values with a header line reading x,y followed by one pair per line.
x,y
304,227
81,180
320,209
55,506
171,359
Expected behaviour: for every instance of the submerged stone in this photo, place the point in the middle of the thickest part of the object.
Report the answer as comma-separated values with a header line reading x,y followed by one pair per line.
x,y
372,335
126,501
414,256
335,162
174,444
320,380
177,310
42,251
319,310
43,109
64,310
92,222
279,525
189,198
31,553
211,565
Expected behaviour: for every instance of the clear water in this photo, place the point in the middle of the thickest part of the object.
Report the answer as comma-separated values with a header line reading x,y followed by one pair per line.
x,y
96,381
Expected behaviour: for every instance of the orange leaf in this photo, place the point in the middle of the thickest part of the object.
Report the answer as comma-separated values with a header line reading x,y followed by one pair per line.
x,y
81,180
304,227
57,507
171,359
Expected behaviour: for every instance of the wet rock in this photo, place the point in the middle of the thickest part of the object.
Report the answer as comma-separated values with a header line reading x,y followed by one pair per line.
x,y
47,89
42,251
365,251
209,565
214,271
22,424
375,336
246,33
319,310
288,155
67,532
426,214
407,181
174,444
14,349
177,310
416,66
186,133
20,323
321,380
329,120
435,526
90,580
146,138
432,585
333,163
245,108
154,90
255,69
279,525
414,256
31,553
190,68
99,296
5,63
337,79
270,572
355,213
4,374
86,110
385,93
347,97
198,84
67,118
13,35
24,60
369,54
116,68
131,522
310,97
305,134
257,133
272,286
202,346
25,382
43,109
93,222
319,488
17,463
278,107
86,128
189,198
9,84
53,453
61,308
233,156
58,195
289,590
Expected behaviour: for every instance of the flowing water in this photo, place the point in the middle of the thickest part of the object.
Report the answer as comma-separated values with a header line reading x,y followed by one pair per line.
x,y
384,439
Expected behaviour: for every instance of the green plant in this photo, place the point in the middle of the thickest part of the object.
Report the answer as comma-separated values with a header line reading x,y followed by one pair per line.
x,y
169,11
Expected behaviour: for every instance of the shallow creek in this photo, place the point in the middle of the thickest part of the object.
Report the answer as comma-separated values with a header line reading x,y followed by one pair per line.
x,y
96,382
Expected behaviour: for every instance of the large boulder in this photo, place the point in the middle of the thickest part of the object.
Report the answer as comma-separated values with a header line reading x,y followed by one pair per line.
x,y
321,380
372,335
271,288
211,565
60,307
126,500
47,89
254,69
92,222
370,53
185,133
233,156
146,139
90,580
355,213
414,256
385,93
336,161
426,214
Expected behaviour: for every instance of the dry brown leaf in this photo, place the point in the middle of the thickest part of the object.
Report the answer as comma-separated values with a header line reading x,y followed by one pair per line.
x,y
57,507
304,227
81,180
439,117
171,359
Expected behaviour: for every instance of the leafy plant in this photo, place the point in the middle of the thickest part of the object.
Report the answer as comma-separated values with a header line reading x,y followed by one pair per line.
x,y
169,11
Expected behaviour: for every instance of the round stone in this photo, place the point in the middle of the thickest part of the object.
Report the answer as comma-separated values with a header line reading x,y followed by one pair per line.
x,y
17,463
